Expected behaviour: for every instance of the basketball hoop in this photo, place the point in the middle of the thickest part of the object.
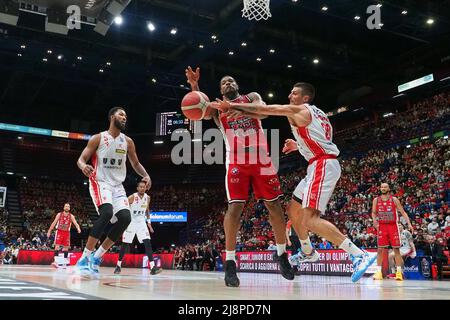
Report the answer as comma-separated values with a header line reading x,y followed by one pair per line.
x,y
256,9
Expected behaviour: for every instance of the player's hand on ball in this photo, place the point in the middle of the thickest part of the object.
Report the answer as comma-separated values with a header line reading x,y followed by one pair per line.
x,y
88,170
289,146
192,76
148,182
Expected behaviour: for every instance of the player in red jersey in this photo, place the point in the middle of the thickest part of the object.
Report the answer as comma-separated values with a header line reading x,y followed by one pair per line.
x,y
385,210
63,221
244,138
314,133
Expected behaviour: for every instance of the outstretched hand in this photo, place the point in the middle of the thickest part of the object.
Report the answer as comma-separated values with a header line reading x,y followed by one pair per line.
x,y
289,146
192,76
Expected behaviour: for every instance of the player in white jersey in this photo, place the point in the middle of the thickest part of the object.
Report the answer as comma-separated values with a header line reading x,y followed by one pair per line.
x,y
139,227
314,134
108,152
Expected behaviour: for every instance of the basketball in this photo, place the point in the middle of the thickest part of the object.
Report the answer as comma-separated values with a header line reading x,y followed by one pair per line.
x,y
195,105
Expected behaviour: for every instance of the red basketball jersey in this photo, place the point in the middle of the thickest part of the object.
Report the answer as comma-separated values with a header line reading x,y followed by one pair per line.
x,y
243,133
64,222
386,210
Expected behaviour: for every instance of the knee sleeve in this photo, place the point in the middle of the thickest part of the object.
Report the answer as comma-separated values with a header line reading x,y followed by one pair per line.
x,y
123,220
105,212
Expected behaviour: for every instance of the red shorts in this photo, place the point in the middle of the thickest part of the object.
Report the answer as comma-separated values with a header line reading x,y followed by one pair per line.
x,y
388,235
263,179
62,238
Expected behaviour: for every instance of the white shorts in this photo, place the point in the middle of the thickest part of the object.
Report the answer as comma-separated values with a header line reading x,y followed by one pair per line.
x,y
316,188
404,251
138,229
102,192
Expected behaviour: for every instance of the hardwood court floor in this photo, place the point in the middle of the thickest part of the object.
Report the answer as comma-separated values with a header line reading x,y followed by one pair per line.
x,y
45,282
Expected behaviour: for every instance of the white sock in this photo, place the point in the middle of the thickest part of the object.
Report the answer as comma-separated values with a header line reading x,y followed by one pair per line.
x,y
86,253
119,264
152,264
100,252
351,248
281,248
306,246
399,269
378,268
230,255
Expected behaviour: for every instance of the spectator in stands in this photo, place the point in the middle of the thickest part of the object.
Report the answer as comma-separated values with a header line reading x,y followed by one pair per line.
x,y
272,246
433,226
325,244
7,257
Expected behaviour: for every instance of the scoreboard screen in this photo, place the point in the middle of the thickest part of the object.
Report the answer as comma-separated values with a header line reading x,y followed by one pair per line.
x,y
168,122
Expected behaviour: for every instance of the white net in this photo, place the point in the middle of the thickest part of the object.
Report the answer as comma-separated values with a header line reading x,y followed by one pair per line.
x,y
256,9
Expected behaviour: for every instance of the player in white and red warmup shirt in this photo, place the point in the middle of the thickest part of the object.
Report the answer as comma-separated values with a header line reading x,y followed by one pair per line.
x,y
108,152
385,209
245,141
314,135
63,221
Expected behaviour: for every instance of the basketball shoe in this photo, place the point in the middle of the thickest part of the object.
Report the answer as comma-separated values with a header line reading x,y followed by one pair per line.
x,y
231,278
285,267
117,270
361,264
94,265
399,276
83,265
301,257
378,275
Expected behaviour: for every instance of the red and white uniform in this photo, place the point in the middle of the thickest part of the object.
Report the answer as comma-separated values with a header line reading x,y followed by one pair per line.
x,y
62,236
110,170
138,225
316,146
388,233
247,159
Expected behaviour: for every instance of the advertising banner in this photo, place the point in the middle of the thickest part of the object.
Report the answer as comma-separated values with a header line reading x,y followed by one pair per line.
x,y
168,216
164,260
2,197
332,262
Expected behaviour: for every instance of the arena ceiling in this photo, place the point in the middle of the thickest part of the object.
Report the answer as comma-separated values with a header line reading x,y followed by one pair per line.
x,y
55,81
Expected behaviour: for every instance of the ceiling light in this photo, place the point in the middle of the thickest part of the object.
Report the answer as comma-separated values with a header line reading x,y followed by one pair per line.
x,y
19,54
108,63
80,58
357,17
258,59
404,12
151,26
324,8
23,46
272,50
101,70
316,61
270,95
200,46
244,44
230,53
430,21
173,31
49,51
118,20
154,80
289,66
45,60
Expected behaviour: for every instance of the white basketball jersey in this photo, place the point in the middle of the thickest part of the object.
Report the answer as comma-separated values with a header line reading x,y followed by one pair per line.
x,y
110,159
315,140
138,208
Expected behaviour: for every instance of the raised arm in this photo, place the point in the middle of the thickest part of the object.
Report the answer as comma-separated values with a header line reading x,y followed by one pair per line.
x,y
399,207
87,154
74,221
193,77
49,232
137,166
